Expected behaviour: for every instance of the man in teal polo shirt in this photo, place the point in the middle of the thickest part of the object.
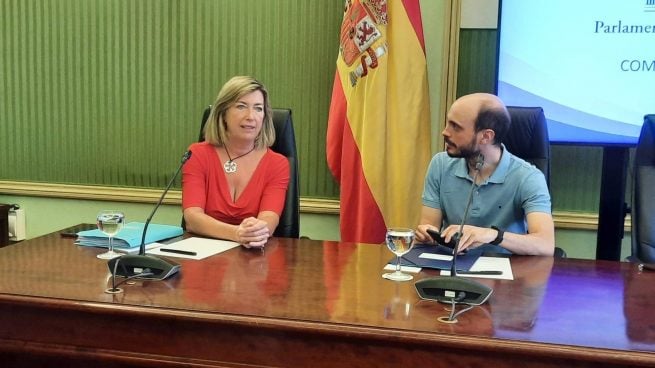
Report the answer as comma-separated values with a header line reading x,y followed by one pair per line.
x,y
510,209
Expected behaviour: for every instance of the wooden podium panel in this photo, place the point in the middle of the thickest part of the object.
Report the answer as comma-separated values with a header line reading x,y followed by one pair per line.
x,y
306,303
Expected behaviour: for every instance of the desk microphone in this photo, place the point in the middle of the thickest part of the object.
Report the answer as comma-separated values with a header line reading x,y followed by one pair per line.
x,y
453,289
152,267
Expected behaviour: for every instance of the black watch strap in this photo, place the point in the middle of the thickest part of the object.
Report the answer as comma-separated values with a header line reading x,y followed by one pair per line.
x,y
499,237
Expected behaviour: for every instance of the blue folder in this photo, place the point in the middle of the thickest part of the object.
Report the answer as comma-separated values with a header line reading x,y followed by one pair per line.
x,y
129,236
412,258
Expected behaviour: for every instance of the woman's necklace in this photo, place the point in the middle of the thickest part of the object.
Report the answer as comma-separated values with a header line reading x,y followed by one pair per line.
x,y
230,166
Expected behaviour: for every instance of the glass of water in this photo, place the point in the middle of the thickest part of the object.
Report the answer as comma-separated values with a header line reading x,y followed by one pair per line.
x,y
110,222
399,241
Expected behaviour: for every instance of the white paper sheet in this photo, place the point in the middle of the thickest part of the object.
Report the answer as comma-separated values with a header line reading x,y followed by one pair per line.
x,y
202,247
135,250
439,257
490,264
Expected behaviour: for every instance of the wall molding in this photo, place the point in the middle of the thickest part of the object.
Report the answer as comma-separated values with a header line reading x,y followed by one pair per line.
x,y
563,219
89,192
132,195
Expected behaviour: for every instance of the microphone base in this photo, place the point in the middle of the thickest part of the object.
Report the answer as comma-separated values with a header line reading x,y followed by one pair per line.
x,y
130,265
445,289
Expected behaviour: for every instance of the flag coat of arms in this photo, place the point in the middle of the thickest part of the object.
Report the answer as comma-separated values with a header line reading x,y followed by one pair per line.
x,y
378,136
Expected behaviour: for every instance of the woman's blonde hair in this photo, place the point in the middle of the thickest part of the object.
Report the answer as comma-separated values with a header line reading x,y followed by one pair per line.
x,y
216,127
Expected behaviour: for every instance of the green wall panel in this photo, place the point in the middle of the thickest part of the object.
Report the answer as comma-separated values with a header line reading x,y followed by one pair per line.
x,y
110,92
476,67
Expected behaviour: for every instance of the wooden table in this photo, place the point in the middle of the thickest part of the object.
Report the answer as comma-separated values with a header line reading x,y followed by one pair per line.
x,y
305,303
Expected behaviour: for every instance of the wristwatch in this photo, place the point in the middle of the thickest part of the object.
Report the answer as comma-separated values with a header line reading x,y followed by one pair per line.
x,y
499,237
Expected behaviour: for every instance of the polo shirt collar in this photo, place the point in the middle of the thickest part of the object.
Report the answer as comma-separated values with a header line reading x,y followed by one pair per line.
x,y
498,176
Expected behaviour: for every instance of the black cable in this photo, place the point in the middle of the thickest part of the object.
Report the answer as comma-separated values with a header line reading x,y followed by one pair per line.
x,y
453,304
114,286
113,275
145,272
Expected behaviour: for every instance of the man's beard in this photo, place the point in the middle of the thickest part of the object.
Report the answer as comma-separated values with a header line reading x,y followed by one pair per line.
x,y
471,150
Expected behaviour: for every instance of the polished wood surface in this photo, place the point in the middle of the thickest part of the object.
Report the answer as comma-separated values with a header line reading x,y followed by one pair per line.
x,y
305,303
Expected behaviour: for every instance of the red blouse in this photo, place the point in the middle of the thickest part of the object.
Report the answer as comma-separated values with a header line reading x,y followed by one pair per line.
x,y
204,185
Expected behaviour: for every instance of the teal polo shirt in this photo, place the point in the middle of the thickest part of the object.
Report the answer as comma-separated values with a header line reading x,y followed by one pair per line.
x,y
515,189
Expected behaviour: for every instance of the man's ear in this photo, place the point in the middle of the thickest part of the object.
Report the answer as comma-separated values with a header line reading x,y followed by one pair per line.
x,y
488,136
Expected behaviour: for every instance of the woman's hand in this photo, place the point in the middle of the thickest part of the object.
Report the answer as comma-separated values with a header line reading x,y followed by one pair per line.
x,y
252,233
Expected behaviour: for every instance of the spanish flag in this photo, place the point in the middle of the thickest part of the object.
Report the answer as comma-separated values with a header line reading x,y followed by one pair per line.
x,y
378,135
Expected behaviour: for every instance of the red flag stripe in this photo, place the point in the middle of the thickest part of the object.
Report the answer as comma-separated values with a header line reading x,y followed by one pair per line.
x,y
343,156
413,10
357,201
336,121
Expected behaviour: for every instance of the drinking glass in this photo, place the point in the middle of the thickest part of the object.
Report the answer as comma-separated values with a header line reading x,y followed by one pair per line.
x,y
399,241
110,222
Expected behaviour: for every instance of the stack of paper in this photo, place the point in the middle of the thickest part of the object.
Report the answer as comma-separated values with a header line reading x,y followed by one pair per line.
x,y
129,237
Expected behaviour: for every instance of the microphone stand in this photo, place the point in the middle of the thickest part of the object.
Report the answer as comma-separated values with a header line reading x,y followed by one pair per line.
x,y
453,289
479,162
142,246
142,265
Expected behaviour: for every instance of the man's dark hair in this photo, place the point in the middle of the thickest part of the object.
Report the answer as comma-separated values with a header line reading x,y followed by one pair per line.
x,y
496,119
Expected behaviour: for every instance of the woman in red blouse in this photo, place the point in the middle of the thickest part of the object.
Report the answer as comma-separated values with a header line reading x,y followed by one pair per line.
x,y
234,185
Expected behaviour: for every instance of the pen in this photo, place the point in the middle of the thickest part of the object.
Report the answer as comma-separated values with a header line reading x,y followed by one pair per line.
x,y
479,272
178,251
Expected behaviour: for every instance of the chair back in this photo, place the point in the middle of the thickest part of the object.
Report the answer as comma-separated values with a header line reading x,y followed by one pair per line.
x,y
527,137
643,194
285,144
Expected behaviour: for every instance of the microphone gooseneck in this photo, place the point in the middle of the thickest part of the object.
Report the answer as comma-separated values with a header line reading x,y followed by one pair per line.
x,y
479,162
142,247
142,265
452,289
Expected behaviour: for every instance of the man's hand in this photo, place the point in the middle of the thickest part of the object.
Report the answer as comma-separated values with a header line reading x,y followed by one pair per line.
x,y
421,234
472,236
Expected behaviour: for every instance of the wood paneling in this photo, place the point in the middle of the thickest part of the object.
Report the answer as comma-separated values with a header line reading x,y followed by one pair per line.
x,y
309,303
